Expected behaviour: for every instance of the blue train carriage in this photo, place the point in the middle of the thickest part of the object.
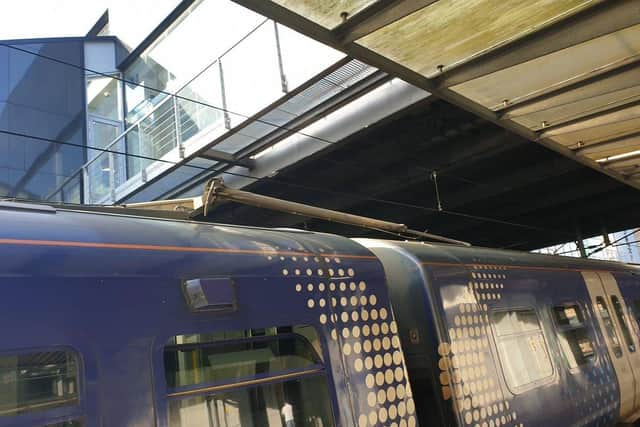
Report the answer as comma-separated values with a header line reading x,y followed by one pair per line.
x,y
502,338
111,320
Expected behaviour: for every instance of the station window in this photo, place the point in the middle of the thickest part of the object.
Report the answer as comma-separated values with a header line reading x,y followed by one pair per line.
x,y
266,377
622,320
36,381
574,339
610,330
522,348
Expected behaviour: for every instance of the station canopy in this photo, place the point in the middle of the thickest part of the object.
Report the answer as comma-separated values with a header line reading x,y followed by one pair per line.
x,y
561,73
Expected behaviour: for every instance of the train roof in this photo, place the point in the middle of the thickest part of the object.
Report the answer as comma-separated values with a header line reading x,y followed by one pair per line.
x,y
442,253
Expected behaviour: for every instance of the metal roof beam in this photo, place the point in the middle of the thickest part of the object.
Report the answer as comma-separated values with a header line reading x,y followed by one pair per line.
x,y
602,19
544,100
618,141
376,16
591,120
221,156
316,31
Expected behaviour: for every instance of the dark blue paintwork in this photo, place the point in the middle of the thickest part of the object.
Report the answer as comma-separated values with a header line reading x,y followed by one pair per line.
x,y
447,287
117,305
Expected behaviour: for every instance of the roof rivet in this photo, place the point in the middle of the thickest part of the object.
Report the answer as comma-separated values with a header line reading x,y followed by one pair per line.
x,y
580,144
505,102
344,15
544,123
440,68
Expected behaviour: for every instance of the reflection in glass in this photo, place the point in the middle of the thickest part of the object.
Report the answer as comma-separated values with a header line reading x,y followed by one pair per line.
x,y
36,381
522,348
103,97
622,320
301,402
610,330
230,361
201,35
574,340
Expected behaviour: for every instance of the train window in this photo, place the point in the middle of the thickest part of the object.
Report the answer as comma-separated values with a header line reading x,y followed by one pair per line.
x,y
68,423
297,402
521,346
574,339
38,380
622,320
267,377
610,330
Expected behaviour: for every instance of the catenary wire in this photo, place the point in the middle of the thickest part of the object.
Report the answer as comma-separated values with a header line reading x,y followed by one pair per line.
x,y
290,184
279,127
164,92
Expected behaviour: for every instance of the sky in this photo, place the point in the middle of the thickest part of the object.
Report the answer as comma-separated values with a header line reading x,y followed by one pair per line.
x,y
130,20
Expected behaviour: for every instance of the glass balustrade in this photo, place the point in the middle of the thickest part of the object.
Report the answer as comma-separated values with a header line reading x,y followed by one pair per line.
x,y
241,82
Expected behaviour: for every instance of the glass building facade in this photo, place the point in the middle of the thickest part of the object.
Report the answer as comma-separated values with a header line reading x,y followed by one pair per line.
x,y
100,122
42,98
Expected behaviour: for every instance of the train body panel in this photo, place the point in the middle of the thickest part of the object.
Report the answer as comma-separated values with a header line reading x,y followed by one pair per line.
x,y
515,332
106,293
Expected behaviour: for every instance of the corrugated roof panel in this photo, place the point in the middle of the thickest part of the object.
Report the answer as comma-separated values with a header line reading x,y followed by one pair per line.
x,y
550,72
583,99
450,32
597,129
612,147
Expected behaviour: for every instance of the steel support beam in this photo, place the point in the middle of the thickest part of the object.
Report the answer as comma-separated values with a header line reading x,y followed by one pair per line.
x,y
221,156
592,86
378,15
619,141
313,30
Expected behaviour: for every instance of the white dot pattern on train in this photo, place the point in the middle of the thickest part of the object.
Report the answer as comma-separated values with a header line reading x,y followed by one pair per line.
x,y
365,332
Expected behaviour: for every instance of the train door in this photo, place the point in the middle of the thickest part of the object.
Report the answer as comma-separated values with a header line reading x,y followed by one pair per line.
x,y
611,312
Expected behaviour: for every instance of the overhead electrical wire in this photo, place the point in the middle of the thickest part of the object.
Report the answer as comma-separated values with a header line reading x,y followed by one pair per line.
x,y
275,126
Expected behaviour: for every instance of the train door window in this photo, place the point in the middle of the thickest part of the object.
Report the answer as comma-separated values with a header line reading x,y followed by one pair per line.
x,y
522,348
38,380
622,320
574,339
609,329
271,378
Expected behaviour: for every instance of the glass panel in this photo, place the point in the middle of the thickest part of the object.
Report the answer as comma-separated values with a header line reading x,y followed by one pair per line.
x,y
298,403
227,361
195,117
610,330
195,40
576,343
251,74
577,346
569,315
325,13
35,381
511,322
68,423
104,164
302,57
103,97
622,320
522,348
453,31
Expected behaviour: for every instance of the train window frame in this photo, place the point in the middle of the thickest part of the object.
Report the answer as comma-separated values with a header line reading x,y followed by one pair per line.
x,y
562,329
71,407
315,378
522,388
